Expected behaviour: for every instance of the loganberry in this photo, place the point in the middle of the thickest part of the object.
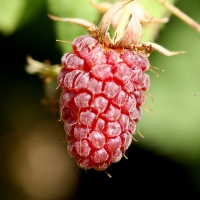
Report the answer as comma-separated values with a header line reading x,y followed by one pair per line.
x,y
103,87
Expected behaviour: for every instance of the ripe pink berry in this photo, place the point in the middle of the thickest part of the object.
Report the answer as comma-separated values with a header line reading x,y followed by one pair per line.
x,y
103,90
104,86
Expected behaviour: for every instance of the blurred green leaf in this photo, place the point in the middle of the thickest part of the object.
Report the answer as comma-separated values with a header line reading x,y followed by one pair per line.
x,y
14,13
10,14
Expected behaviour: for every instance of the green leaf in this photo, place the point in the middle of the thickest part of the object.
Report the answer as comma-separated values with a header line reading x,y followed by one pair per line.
x,y
10,14
14,13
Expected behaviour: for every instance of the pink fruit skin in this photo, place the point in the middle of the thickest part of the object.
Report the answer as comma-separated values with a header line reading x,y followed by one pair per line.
x,y
103,90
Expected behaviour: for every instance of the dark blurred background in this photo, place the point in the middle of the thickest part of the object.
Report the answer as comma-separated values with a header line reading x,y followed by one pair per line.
x,y
34,163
